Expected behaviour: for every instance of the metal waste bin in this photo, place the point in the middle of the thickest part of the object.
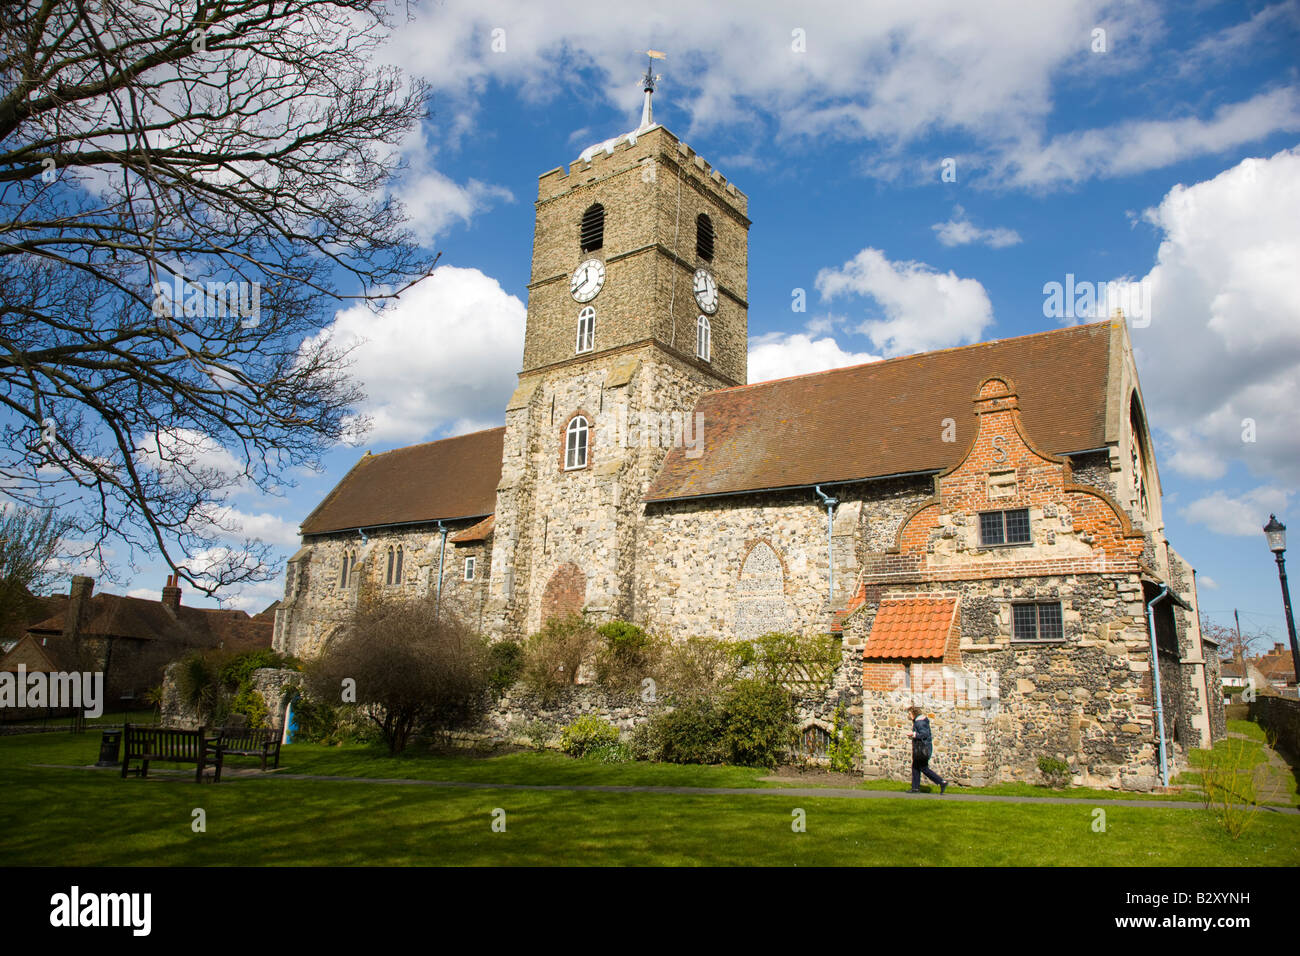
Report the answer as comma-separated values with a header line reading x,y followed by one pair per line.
x,y
110,747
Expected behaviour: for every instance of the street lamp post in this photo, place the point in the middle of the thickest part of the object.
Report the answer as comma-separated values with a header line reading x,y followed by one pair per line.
x,y
1275,531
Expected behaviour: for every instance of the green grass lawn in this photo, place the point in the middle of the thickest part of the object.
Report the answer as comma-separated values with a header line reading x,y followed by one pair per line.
x,y
77,817
1274,784
145,715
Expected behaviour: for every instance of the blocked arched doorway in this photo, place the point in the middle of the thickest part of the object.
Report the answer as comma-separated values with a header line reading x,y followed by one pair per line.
x,y
566,592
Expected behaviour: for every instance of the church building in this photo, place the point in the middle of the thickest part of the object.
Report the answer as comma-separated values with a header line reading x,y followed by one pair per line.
x,y
980,527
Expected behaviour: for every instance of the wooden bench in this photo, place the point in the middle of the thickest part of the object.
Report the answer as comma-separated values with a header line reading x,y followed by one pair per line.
x,y
247,742
150,744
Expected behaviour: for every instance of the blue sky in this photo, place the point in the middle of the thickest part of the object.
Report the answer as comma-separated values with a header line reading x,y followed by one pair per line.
x,y
1165,149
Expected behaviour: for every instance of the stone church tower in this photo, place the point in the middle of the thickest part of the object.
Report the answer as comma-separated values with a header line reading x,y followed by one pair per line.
x,y
637,305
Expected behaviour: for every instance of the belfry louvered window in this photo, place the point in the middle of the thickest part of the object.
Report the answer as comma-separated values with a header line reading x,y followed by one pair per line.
x,y
592,233
704,237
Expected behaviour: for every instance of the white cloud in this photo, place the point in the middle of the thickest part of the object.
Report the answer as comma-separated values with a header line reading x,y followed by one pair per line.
x,y
924,309
893,74
263,526
177,449
442,357
960,231
1220,360
1241,515
1136,146
777,355
1274,23
433,202
1207,582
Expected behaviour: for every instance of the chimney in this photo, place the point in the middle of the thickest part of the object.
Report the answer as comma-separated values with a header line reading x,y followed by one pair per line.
x,y
74,616
171,593
1277,648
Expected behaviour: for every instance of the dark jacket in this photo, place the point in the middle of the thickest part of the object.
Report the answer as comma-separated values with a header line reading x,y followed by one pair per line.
x,y
922,743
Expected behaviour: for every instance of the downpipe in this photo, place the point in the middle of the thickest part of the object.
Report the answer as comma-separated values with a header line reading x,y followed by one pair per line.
x,y
830,545
442,555
1155,676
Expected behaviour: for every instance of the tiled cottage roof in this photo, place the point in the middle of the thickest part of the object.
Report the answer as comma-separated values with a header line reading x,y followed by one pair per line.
x,y
451,478
911,628
887,418
121,616
476,532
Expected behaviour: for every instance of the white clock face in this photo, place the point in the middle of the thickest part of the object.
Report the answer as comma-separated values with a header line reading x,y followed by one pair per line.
x,y
706,291
587,280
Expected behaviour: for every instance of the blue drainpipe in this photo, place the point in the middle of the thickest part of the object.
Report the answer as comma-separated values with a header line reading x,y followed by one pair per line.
x,y
442,554
1155,674
830,545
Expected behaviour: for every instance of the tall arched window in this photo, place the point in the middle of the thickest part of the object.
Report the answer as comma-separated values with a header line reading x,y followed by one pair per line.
x,y
575,444
703,337
592,232
394,573
1138,457
388,574
586,329
348,562
704,237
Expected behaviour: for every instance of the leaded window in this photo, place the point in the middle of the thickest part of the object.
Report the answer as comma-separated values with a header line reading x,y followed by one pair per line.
x,y
1037,622
1004,527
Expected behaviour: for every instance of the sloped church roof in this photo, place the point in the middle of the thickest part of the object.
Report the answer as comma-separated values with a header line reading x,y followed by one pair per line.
x,y
889,417
865,421
452,478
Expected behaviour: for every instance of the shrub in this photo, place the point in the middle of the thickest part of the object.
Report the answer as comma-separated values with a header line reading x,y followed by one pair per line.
x,y
750,724
505,664
699,666
249,703
586,734
692,733
611,753
539,734
1055,771
554,655
1228,788
412,668
323,723
238,670
199,686
643,743
759,723
625,656
844,750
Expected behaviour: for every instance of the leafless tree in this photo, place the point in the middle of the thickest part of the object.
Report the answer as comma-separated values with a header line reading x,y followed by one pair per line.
x,y
410,669
29,543
1233,645
186,191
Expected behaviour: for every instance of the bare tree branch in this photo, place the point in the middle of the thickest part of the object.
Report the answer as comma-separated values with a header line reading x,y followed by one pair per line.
x,y
185,187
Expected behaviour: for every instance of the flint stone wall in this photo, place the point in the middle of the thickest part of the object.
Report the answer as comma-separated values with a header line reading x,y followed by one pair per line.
x,y
271,683
315,604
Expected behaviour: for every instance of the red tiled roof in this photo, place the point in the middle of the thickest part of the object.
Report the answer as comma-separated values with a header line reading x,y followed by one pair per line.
x,y
1276,666
914,627
887,418
476,532
451,478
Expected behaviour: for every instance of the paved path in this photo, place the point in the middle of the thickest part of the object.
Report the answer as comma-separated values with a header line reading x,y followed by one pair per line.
x,y
804,792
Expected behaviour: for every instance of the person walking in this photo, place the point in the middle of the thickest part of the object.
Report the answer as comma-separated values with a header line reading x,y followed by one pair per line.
x,y
922,750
